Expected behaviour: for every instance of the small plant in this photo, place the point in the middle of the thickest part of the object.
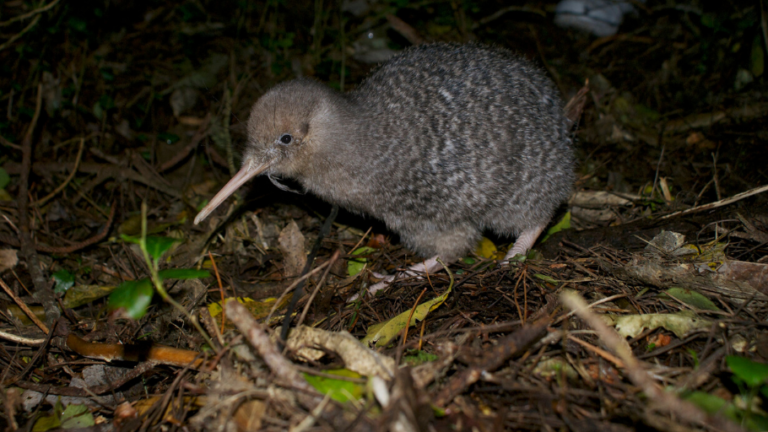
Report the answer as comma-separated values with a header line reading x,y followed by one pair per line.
x,y
752,379
134,297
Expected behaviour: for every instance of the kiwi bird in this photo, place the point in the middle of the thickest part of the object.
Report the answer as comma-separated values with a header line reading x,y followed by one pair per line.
x,y
441,142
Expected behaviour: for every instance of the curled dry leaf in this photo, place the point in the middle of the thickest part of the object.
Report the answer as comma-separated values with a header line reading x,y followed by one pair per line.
x,y
8,259
291,243
356,356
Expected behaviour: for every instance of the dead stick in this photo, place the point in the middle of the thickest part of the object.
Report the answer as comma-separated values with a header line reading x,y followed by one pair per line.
x,y
199,135
72,248
716,204
23,307
61,187
659,399
256,335
42,288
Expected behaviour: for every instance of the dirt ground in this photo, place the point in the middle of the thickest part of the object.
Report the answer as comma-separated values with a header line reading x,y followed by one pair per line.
x,y
643,306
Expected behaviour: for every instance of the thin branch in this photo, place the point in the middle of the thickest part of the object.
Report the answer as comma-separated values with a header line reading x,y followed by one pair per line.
x,y
29,14
716,204
15,37
42,288
61,187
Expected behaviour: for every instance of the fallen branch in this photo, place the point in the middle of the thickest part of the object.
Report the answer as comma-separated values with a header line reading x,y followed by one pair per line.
x,y
111,171
29,14
659,399
259,339
199,135
72,248
42,287
506,348
61,187
721,203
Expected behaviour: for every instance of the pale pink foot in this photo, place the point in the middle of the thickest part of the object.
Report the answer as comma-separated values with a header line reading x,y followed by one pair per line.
x,y
524,242
428,266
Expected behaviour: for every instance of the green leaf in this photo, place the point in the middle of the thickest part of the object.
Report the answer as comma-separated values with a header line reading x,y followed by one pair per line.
x,y
339,390
156,246
4,178
133,297
563,224
76,416
692,298
356,265
545,278
419,357
183,274
63,280
752,373
712,404
383,332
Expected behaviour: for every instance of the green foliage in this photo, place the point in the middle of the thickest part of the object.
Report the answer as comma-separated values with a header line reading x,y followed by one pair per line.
x,y
183,274
747,373
63,280
356,265
751,373
415,358
132,297
74,416
168,138
77,24
156,246
338,389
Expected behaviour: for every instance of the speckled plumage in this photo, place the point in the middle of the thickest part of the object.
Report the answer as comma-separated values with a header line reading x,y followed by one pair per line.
x,y
441,142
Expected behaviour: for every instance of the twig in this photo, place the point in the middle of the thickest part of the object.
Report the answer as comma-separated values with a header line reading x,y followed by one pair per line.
x,y
112,171
764,23
15,37
502,11
660,399
137,371
7,143
199,135
658,167
292,286
29,14
61,187
720,203
506,348
225,114
324,230
333,259
259,339
42,288
221,289
72,248
21,339
715,176
23,307
405,30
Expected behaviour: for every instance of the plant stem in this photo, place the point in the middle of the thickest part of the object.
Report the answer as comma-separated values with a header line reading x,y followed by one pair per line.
x,y
152,264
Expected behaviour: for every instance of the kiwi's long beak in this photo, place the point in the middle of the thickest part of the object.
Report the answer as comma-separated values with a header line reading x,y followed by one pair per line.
x,y
247,172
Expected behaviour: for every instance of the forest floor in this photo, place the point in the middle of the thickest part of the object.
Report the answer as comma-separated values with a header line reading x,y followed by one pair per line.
x,y
121,119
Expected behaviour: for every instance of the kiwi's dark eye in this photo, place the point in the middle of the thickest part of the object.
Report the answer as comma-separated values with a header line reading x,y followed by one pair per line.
x,y
286,138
